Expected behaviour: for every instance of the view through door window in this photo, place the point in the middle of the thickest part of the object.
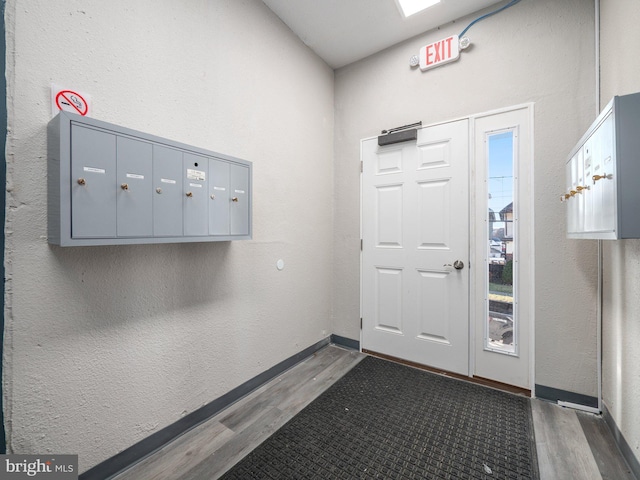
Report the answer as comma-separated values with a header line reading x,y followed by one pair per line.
x,y
501,331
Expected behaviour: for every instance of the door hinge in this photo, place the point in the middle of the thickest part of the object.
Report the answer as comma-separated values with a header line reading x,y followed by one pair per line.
x,y
360,323
361,166
361,244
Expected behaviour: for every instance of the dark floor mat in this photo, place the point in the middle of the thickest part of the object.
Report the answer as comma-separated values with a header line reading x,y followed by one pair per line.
x,y
389,421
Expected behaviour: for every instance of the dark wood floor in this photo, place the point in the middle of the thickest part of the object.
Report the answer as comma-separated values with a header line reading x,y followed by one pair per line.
x,y
570,444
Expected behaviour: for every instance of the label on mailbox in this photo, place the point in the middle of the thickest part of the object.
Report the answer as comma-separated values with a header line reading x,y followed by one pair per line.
x,y
196,174
439,53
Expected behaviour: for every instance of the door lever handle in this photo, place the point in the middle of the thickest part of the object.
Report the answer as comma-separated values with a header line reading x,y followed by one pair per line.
x,y
458,265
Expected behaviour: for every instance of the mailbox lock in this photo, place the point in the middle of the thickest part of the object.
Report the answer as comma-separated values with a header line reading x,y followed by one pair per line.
x,y
599,177
213,197
125,186
82,181
234,199
158,190
189,194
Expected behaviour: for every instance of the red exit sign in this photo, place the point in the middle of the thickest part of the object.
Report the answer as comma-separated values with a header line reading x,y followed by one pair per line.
x,y
440,52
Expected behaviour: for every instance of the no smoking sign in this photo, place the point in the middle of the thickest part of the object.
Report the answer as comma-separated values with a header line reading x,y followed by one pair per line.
x,y
69,100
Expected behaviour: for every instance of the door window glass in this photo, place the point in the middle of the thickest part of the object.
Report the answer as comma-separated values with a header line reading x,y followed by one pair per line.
x,y
501,328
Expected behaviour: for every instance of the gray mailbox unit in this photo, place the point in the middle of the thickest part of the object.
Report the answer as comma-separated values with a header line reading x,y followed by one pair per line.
x,y
602,195
110,185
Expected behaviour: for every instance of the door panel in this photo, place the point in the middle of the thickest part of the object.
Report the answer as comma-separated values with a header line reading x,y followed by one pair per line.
x,y
219,197
435,154
134,200
389,216
433,214
195,173
430,314
388,161
388,294
239,206
93,193
167,192
415,220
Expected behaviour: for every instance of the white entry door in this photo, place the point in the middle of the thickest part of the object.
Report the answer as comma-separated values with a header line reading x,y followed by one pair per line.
x,y
415,228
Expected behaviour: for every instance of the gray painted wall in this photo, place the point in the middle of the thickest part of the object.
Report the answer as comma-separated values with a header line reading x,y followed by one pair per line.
x,y
106,345
620,74
537,51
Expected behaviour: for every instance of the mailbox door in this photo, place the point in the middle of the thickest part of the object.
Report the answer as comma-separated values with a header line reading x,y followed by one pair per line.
x,y
608,211
240,199
134,200
93,180
219,197
167,192
195,174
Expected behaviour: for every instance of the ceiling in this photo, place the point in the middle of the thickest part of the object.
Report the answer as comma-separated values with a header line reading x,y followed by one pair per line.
x,y
344,31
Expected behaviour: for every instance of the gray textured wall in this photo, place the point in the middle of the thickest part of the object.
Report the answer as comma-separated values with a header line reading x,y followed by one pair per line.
x,y
105,345
620,74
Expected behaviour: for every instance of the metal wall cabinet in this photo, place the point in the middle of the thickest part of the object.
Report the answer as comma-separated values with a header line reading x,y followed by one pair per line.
x,y
602,196
109,185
